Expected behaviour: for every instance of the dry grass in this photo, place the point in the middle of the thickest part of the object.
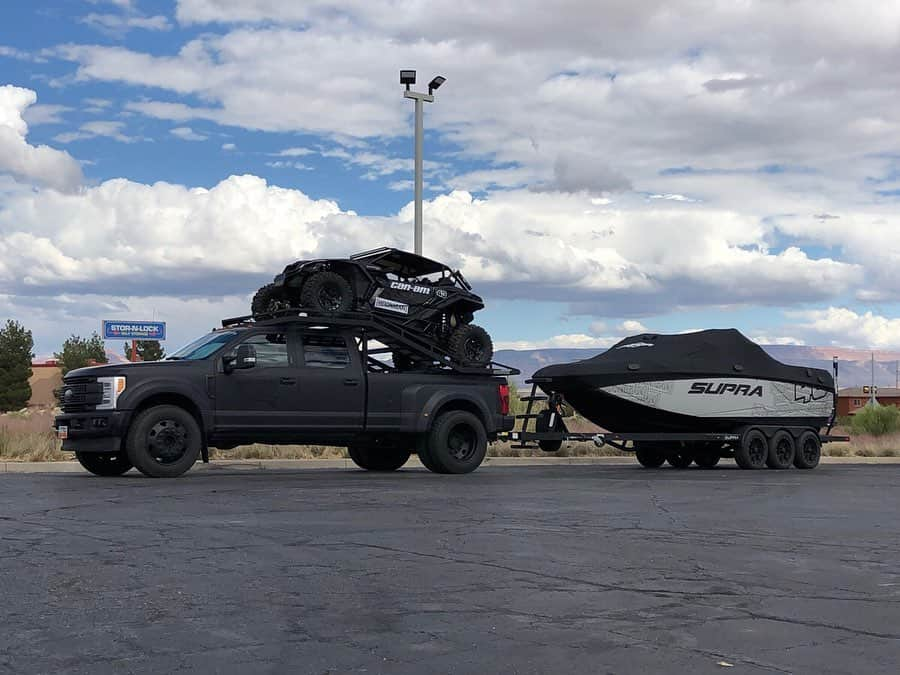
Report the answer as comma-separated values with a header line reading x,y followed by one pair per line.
x,y
26,436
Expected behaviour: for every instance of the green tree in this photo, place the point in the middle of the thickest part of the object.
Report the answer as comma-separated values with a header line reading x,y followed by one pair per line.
x,y
147,350
16,345
78,352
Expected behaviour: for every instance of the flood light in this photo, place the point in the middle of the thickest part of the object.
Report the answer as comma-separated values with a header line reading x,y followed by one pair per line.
x,y
435,83
407,77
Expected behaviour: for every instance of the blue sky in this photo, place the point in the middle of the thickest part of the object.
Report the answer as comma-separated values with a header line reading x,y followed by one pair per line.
x,y
595,170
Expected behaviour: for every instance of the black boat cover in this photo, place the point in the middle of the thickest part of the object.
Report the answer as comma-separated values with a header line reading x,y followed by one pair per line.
x,y
718,352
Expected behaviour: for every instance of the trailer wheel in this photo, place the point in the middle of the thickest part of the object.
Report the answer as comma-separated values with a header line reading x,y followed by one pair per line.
x,y
752,451
781,450
104,463
707,456
680,460
456,443
648,456
543,425
377,458
809,450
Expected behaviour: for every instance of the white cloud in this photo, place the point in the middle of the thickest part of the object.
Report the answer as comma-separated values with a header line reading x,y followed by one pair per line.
x,y
103,128
119,24
187,134
569,341
229,146
38,164
41,113
850,328
632,326
295,152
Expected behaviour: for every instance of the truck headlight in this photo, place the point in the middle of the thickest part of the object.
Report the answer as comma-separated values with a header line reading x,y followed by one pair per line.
x,y
112,388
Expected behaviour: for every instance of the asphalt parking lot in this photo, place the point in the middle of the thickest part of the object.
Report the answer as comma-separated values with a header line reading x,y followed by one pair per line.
x,y
553,569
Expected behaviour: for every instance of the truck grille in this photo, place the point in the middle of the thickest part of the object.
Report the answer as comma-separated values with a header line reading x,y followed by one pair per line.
x,y
79,394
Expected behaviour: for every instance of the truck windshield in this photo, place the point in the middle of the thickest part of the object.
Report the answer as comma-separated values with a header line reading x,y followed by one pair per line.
x,y
200,349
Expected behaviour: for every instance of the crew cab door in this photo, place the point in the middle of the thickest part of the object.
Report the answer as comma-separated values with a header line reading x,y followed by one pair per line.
x,y
260,400
331,395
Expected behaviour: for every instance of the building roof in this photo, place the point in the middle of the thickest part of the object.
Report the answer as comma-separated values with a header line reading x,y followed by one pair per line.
x,y
857,392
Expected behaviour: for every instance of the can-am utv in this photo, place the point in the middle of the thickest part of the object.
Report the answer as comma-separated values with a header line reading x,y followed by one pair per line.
x,y
418,293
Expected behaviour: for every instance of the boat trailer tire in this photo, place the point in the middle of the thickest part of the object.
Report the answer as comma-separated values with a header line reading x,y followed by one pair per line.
x,y
809,451
781,450
543,425
707,457
377,458
753,450
649,456
680,459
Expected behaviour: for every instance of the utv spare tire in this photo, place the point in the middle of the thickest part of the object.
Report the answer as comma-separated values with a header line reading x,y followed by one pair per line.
x,y
471,345
327,292
270,298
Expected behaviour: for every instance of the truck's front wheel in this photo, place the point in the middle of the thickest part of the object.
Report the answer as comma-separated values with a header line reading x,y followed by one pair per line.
x,y
457,443
377,458
164,441
104,463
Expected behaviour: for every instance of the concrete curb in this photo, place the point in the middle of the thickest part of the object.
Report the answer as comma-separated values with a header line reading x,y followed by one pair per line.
x,y
275,464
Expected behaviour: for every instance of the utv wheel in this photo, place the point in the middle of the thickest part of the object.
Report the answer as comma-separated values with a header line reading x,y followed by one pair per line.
x,y
753,450
456,443
104,463
378,458
809,451
649,456
327,292
270,298
471,345
164,441
781,451
404,362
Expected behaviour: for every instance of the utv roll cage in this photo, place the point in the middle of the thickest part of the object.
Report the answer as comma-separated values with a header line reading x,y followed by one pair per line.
x,y
407,265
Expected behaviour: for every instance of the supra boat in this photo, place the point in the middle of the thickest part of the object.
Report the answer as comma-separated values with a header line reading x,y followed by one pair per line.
x,y
708,381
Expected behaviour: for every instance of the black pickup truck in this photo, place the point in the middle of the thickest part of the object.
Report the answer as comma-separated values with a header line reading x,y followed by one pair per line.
x,y
278,382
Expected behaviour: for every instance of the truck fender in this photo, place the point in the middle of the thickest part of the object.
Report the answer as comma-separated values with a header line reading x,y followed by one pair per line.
x,y
455,400
136,397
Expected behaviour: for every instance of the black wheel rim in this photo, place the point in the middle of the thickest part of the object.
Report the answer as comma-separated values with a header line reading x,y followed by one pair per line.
x,y
462,442
783,451
168,441
756,452
474,349
810,452
330,298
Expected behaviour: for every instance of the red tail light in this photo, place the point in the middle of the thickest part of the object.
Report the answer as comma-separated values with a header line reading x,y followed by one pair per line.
x,y
503,390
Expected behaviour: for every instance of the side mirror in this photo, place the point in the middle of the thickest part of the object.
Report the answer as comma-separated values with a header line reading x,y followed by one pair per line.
x,y
243,359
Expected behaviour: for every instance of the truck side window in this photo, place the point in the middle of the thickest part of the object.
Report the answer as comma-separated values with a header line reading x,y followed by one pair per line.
x,y
325,351
271,350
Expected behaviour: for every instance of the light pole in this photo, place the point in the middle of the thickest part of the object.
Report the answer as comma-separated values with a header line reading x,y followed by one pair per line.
x,y
408,77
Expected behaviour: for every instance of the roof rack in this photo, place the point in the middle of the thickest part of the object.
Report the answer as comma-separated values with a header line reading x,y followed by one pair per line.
x,y
381,328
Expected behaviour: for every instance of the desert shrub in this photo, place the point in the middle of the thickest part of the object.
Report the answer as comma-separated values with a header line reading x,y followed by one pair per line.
x,y
876,420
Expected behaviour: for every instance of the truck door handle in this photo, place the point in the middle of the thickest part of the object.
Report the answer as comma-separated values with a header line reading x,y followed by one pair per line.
x,y
288,380
350,382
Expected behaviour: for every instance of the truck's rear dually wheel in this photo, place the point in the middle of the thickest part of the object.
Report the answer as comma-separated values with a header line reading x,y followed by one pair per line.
x,y
457,443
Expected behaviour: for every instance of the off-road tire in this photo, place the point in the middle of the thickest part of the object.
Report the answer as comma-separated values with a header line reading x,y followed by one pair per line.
x,y
147,442
753,450
457,442
268,299
649,456
781,450
328,293
378,458
808,451
404,362
471,345
104,463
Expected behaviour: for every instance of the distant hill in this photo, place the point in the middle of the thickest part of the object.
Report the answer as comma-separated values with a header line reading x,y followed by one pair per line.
x,y
855,367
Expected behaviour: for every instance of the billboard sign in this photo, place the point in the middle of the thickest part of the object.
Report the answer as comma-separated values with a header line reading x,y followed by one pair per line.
x,y
134,330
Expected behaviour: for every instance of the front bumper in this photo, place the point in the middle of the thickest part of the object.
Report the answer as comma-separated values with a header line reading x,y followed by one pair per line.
x,y
93,431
